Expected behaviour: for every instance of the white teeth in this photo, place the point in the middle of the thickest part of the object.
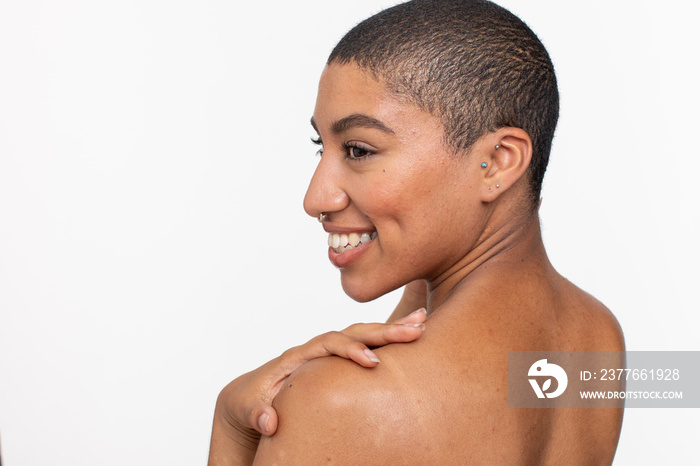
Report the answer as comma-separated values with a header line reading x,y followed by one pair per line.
x,y
341,242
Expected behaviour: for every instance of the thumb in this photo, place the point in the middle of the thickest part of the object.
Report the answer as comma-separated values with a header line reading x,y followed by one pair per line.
x,y
265,420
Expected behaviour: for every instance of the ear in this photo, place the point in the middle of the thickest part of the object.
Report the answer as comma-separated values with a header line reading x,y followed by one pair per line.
x,y
508,152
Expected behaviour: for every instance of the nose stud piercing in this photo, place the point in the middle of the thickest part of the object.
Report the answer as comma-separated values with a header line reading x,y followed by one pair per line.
x,y
497,146
322,217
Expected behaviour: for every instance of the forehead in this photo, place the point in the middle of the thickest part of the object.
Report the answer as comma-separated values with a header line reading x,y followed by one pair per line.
x,y
349,90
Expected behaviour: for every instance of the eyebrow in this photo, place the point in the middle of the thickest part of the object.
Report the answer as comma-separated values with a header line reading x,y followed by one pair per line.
x,y
354,120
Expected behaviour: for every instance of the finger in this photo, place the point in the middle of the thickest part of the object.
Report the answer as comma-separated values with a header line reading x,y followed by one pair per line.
x,y
342,345
417,316
352,343
267,422
383,334
263,418
354,351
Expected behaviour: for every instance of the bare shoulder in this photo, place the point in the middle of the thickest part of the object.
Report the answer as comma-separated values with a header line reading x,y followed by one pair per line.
x,y
439,400
588,324
443,399
332,411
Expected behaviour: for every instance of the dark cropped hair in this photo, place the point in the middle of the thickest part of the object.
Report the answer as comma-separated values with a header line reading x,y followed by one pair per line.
x,y
471,63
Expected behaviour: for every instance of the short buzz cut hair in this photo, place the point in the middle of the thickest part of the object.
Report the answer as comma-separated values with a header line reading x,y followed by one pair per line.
x,y
471,63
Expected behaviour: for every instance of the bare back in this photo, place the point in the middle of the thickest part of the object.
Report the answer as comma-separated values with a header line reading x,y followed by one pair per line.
x,y
443,399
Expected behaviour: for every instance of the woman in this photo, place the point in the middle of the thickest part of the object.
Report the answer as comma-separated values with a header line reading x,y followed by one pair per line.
x,y
435,121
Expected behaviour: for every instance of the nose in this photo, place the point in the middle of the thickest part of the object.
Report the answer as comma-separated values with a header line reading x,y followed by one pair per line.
x,y
325,193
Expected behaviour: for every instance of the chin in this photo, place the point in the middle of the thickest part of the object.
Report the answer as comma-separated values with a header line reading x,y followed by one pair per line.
x,y
364,291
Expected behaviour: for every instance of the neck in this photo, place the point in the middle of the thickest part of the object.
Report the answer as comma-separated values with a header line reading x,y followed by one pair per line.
x,y
507,246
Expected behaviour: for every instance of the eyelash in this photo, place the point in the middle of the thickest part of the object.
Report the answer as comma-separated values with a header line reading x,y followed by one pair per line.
x,y
347,147
318,142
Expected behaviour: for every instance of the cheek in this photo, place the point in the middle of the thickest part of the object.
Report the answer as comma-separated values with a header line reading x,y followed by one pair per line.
x,y
408,192
410,183
385,195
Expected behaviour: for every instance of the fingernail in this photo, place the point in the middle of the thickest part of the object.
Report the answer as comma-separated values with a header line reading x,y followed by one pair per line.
x,y
370,354
422,326
262,422
423,310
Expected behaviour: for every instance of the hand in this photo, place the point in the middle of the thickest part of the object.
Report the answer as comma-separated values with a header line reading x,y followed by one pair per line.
x,y
244,407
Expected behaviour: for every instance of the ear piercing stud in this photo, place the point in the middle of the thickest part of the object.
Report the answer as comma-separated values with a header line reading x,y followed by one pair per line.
x,y
484,164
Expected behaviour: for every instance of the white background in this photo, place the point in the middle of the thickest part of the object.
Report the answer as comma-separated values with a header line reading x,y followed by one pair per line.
x,y
153,161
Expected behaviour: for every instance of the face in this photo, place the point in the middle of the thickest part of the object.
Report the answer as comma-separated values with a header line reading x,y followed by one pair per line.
x,y
400,205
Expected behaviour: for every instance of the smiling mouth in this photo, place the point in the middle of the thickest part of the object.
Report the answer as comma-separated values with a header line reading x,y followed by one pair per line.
x,y
341,242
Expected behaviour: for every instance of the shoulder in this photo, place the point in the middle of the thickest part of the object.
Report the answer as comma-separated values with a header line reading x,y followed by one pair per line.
x,y
440,399
334,411
593,327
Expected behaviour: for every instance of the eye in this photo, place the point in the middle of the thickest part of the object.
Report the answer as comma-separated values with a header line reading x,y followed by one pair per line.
x,y
318,142
354,151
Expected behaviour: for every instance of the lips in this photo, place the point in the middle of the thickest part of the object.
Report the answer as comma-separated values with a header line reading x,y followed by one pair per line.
x,y
346,255
346,244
